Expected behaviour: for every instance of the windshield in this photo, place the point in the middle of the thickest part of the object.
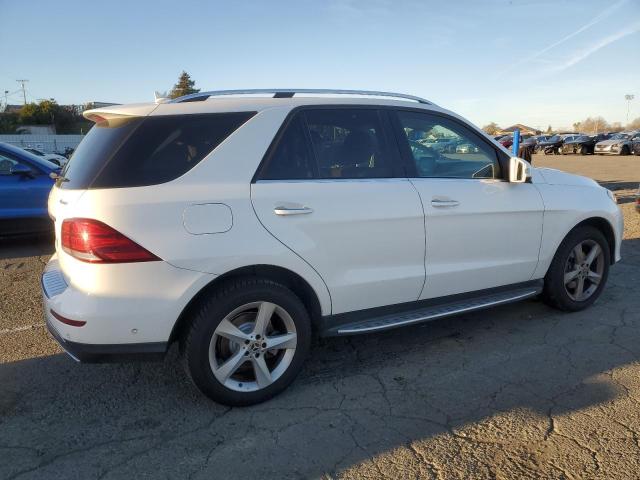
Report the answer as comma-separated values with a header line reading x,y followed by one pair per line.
x,y
582,138
555,138
620,136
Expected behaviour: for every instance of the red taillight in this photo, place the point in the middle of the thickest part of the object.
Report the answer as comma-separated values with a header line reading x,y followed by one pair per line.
x,y
73,323
94,242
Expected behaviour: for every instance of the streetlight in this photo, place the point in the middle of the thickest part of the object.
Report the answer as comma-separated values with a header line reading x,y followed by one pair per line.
x,y
628,98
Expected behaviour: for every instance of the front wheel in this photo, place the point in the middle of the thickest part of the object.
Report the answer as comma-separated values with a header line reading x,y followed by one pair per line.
x,y
584,150
579,270
247,342
624,150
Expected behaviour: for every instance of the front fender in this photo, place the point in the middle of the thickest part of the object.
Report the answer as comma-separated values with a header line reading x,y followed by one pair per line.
x,y
567,206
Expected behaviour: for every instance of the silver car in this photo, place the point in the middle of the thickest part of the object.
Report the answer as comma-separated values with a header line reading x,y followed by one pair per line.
x,y
619,144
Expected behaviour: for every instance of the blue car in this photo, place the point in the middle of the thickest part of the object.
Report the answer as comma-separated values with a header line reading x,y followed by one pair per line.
x,y
25,183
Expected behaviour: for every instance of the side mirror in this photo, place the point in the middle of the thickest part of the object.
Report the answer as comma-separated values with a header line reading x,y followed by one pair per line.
x,y
519,170
19,169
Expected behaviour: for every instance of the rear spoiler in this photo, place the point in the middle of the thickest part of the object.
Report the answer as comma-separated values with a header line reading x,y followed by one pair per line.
x,y
119,112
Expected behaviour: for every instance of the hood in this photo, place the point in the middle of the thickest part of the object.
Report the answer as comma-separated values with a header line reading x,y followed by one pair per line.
x,y
558,177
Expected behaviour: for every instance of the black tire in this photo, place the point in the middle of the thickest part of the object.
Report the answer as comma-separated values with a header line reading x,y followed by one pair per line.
x,y
554,292
194,344
624,150
584,150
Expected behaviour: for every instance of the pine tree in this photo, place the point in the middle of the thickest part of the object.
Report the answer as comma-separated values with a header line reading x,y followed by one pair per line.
x,y
184,86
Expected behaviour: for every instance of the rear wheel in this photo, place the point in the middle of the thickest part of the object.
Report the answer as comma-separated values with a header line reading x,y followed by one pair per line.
x,y
247,342
583,150
579,270
624,150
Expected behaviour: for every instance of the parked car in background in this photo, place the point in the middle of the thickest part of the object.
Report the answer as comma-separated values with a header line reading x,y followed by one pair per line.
x,y
506,141
533,141
551,145
25,183
635,146
638,200
582,144
444,144
618,144
467,148
59,160
239,226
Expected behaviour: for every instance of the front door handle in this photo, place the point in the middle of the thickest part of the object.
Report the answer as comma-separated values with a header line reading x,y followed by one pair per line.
x,y
444,203
292,211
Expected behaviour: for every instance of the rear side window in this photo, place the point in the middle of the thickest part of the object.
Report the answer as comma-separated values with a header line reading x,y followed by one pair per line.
x,y
349,143
147,151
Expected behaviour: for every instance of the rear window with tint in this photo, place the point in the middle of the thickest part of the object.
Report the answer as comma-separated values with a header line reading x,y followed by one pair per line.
x,y
147,151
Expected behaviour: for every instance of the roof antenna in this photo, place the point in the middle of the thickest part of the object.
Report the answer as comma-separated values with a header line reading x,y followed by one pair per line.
x,y
161,97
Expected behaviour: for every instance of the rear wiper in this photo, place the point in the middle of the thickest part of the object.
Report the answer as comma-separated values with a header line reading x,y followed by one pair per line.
x,y
57,177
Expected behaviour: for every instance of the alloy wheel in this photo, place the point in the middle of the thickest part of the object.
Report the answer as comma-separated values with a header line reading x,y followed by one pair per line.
x,y
252,346
583,270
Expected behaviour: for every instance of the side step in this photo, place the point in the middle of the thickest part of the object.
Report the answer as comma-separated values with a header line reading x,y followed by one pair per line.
x,y
433,312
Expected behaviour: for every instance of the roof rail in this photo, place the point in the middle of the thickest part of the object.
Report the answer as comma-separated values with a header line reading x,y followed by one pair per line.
x,y
290,92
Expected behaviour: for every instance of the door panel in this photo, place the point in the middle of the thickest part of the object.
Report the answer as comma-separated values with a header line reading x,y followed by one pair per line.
x,y
480,233
365,237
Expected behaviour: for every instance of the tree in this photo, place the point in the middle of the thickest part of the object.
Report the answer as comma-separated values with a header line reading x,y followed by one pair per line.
x,y
8,122
592,125
491,129
634,124
549,129
185,86
47,112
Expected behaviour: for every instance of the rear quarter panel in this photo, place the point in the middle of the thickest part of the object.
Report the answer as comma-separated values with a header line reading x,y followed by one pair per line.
x,y
154,216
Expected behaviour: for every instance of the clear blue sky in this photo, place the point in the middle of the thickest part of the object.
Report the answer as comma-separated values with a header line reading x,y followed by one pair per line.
x,y
538,62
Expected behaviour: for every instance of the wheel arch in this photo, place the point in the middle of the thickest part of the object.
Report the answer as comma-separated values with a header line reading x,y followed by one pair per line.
x,y
601,224
605,227
297,284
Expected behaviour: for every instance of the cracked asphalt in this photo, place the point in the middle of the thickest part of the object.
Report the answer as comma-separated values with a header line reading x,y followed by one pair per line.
x,y
519,391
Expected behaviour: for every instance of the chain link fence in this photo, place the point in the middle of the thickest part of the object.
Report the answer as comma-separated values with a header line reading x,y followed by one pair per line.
x,y
46,143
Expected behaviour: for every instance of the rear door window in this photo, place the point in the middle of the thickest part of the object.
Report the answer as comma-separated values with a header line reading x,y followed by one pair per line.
x,y
349,143
328,143
131,152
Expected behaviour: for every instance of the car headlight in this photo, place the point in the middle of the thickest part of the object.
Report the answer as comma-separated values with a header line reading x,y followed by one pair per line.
x,y
615,145
611,195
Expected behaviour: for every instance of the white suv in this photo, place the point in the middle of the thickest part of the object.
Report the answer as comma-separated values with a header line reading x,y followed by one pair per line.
x,y
238,225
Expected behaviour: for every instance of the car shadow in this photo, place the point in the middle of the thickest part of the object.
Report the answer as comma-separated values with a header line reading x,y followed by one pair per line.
x,y
27,245
357,398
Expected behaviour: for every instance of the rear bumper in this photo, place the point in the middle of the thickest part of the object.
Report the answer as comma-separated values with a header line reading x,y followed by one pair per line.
x,y
91,353
112,313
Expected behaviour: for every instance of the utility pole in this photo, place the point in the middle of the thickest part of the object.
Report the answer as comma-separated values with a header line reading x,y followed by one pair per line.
x,y
628,98
24,94
6,93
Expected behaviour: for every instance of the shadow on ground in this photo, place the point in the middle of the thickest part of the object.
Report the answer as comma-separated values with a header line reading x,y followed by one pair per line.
x,y
26,246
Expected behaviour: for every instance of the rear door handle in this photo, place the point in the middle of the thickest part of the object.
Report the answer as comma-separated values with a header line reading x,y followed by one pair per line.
x,y
444,203
292,211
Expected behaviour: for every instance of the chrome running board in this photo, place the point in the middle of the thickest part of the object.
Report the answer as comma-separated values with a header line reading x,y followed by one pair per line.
x,y
433,312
